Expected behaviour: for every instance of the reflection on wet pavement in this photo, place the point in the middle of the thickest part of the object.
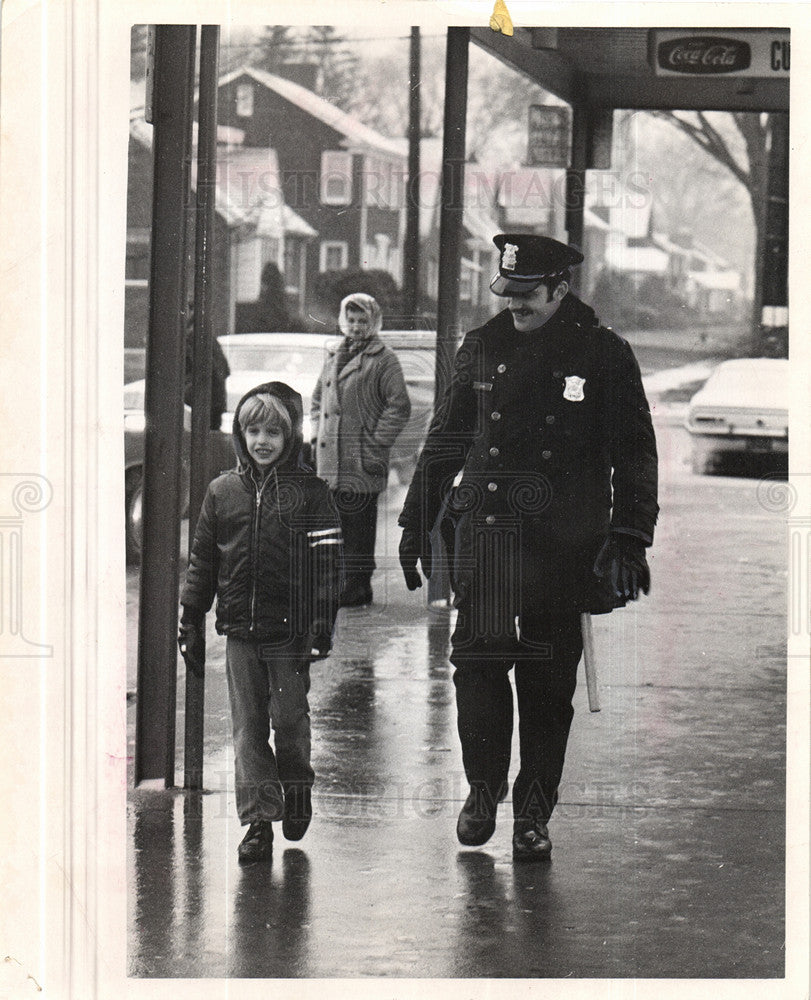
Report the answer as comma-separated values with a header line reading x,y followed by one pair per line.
x,y
667,858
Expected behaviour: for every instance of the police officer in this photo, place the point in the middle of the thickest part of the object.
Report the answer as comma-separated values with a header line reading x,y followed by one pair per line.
x,y
547,419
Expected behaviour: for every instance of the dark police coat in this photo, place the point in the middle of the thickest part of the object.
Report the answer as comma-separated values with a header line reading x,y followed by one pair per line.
x,y
554,436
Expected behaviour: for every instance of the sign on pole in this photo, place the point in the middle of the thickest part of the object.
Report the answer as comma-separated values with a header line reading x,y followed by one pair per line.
x,y
550,135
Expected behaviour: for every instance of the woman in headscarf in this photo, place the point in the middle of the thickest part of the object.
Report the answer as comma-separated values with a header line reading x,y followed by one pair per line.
x,y
359,406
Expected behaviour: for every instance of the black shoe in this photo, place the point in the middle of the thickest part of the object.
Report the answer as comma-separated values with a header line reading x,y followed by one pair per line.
x,y
531,843
257,844
477,820
298,811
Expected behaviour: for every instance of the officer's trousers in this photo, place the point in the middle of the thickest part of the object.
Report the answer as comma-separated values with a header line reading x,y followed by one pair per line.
x,y
545,659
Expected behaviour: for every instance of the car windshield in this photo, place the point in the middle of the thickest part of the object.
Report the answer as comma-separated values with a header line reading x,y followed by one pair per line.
x,y
289,362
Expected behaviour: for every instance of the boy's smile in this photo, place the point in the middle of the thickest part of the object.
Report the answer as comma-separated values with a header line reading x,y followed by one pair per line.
x,y
265,444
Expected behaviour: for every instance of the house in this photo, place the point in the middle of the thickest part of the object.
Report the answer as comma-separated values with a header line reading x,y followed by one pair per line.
x,y
343,179
252,226
519,200
227,218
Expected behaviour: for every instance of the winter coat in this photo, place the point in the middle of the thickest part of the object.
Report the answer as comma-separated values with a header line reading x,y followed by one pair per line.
x,y
356,416
554,436
268,547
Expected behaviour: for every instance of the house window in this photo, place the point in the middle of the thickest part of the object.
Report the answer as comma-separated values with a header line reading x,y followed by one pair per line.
x,y
334,256
244,100
336,177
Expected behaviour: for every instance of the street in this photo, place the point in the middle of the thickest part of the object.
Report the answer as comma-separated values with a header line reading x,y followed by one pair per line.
x,y
668,839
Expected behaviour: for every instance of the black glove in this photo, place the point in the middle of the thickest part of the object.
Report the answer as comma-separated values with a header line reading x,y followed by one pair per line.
x,y
622,560
415,544
191,640
319,642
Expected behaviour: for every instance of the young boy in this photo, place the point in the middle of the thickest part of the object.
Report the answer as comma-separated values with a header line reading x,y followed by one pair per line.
x,y
268,544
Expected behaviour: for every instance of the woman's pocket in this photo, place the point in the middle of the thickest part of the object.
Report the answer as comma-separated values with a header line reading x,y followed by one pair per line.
x,y
373,457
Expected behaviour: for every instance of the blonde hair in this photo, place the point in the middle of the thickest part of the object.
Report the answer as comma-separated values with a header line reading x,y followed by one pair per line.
x,y
267,410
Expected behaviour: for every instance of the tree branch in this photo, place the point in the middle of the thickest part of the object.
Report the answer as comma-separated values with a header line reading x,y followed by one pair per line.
x,y
708,138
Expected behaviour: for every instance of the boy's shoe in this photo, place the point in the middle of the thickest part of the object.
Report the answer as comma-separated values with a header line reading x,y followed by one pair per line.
x,y
257,844
298,811
531,842
477,820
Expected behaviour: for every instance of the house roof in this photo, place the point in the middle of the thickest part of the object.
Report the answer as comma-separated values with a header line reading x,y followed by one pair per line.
x,y
357,136
479,197
227,207
639,260
249,190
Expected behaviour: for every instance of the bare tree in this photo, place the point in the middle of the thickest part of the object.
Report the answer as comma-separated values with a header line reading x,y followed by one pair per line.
x,y
744,152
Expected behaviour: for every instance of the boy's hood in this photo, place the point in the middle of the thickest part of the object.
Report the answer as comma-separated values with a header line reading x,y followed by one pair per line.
x,y
290,457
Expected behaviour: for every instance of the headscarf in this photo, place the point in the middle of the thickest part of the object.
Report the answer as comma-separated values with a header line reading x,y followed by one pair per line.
x,y
359,300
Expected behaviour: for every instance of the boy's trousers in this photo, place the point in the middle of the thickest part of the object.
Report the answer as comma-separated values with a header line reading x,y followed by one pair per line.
x,y
265,687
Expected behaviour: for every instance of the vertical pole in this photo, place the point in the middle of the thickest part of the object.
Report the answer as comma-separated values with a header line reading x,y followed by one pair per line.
x,y
202,377
411,254
576,183
774,312
157,621
450,239
452,203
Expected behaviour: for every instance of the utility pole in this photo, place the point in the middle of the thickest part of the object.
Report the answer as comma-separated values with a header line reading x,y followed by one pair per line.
x,y
202,375
411,248
450,245
165,354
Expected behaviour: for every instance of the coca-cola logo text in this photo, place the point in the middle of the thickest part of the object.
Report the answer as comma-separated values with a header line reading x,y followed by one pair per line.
x,y
704,55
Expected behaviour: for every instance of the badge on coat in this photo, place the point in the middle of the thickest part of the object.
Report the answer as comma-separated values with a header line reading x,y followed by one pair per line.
x,y
573,389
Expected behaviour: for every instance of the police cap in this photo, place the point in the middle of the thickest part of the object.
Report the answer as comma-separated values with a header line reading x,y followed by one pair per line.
x,y
526,260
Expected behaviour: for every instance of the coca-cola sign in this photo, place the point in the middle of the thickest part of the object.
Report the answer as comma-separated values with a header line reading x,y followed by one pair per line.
x,y
702,55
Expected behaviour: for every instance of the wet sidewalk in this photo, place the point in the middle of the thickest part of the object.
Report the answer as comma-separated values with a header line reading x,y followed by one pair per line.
x,y
668,855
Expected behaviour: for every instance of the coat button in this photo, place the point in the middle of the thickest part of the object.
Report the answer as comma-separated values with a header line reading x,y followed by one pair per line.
x,y
501,369
550,419
323,444
557,374
490,519
495,415
546,454
494,452
492,487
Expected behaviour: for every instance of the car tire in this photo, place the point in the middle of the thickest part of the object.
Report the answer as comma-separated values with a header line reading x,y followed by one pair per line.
x,y
133,512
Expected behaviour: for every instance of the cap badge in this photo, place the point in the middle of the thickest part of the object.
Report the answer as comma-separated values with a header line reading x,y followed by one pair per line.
x,y
508,256
573,390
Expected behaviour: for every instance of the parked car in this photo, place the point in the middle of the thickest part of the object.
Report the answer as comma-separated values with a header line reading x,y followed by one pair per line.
x,y
221,456
134,428
295,358
742,408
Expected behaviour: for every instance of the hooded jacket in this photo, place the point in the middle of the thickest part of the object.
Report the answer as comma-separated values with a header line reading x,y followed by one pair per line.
x,y
269,547
553,434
